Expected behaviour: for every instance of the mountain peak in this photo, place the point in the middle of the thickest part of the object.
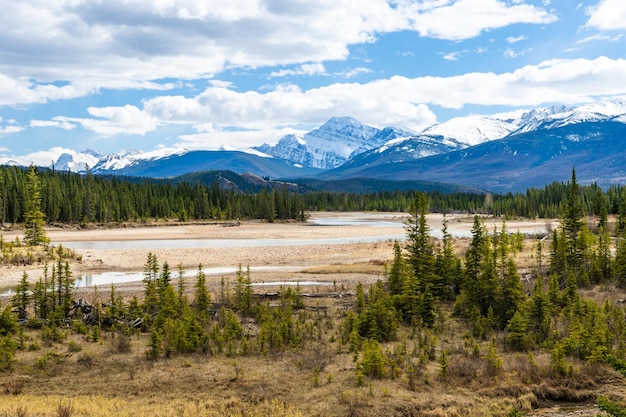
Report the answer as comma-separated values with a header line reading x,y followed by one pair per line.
x,y
470,130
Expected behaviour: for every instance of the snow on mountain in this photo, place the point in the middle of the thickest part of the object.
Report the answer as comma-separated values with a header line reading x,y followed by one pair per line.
x,y
469,130
130,157
77,161
559,116
329,146
458,133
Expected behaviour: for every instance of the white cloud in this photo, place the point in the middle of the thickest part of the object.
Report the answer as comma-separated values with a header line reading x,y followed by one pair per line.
x,y
10,126
304,70
607,15
239,139
58,122
221,115
512,53
10,129
91,45
465,19
108,121
515,39
354,72
599,37
39,158
451,56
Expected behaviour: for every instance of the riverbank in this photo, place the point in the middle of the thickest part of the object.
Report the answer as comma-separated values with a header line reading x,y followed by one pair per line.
x,y
321,226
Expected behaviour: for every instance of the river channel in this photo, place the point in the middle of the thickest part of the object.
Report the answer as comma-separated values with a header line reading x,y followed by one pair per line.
x,y
373,223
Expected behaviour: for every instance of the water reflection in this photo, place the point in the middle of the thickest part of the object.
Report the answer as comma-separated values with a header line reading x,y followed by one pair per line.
x,y
107,278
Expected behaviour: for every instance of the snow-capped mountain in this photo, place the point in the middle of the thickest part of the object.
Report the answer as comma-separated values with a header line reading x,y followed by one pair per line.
x,y
544,147
329,146
462,132
130,157
559,116
455,134
77,161
486,152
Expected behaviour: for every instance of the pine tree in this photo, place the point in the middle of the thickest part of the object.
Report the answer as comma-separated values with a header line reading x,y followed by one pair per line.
x,y
573,225
22,297
448,267
517,338
202,298
420,253
242,300
34,218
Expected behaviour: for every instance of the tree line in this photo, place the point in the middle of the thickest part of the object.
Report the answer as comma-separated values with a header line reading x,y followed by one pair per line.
x,y
71,198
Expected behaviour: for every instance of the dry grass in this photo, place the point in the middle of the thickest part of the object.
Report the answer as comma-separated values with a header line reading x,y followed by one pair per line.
x,y
318,380
112,376
374,267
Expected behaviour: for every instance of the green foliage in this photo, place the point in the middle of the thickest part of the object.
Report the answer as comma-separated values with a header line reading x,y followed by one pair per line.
x,y
8,348
242,298
202,298
518,338
378,320
8,322
374,362
494,360
21,299
616,363
611,408
34,218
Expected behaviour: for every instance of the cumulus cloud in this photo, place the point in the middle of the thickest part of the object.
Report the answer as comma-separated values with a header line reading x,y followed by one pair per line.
x,y
247,117
607,15
91,45
39,158
465,19
10,126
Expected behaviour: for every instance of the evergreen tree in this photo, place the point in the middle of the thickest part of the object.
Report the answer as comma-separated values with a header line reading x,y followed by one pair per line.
x,y
242,299
518,338
620,262
34,218
572,225
202,298
448,267
398,274
22,297
420,253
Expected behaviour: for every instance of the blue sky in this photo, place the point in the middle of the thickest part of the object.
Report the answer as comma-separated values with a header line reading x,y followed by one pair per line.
x,y
121,74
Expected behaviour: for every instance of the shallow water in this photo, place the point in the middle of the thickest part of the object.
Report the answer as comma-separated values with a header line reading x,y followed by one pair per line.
x,y
107,278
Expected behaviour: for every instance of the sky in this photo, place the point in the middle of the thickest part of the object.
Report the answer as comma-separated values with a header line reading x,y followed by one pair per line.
x,y
150,74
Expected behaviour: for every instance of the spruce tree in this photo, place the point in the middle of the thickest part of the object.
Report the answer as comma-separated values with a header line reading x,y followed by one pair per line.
x,y
22,297
420,253
202,298
34,218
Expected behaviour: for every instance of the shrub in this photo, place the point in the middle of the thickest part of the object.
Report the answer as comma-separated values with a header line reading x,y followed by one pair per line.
x,y
611,408
14,387
8,347
374,363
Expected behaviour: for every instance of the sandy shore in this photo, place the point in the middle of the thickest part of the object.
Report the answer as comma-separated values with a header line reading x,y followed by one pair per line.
x,y
132,260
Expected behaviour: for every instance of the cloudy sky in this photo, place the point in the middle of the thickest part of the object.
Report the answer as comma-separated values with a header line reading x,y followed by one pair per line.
x,y
123,74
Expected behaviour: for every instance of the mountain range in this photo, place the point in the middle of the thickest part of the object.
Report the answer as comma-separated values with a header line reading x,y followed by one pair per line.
x,y
495,153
